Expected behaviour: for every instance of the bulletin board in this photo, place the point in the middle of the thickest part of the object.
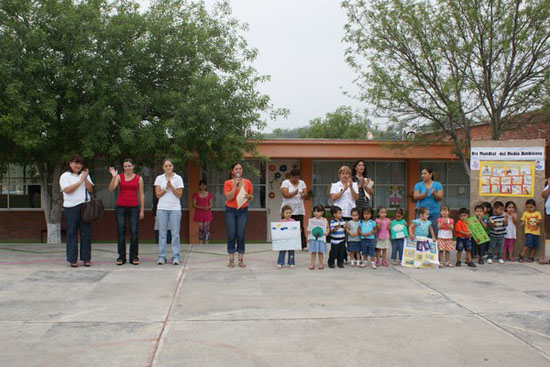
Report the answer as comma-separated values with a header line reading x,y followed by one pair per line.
x,y
507,178
479,174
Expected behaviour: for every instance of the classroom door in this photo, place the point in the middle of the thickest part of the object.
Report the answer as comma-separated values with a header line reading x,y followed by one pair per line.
x,y
277,172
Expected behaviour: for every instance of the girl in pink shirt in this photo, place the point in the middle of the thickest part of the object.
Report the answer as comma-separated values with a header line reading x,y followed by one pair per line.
x,y
383,236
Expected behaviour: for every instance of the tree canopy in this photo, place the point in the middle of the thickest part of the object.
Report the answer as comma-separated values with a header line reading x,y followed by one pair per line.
x,y
450,64
101,78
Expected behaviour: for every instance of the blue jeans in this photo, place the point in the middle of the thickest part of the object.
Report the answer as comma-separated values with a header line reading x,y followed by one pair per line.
x,y
75,225
132,213
496,243
281,260
433,218
174,217
235,224
397,246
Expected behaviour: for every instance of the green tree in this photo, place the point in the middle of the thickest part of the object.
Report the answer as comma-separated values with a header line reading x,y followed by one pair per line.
x,y
101,78
449,64
340,124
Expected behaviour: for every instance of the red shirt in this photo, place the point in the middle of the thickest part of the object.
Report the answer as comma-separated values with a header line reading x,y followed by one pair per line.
x,y
228,186
461,226
127,191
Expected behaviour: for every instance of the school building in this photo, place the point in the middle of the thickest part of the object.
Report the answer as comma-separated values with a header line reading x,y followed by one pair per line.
x,y
394,166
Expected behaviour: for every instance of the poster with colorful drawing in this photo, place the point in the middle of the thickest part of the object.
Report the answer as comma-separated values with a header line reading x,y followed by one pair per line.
x,y
506,178
285,236
420,253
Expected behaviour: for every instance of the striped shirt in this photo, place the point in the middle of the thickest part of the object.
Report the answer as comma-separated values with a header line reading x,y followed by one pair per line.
x,y
339,235
498,228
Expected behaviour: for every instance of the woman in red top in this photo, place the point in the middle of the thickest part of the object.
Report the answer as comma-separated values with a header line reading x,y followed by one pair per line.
x,y
238,192
127,208
202,202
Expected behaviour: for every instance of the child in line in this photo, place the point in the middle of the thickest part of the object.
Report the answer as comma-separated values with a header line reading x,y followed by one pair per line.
x,y
286,216
398,229
531,220
338,228
487,211
463,242
481,248
318,246
421,226
498,223
382,236
445,242
510,235
354,241
367,229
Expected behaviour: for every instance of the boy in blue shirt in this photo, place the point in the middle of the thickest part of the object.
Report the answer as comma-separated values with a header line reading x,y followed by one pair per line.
x,y
338,228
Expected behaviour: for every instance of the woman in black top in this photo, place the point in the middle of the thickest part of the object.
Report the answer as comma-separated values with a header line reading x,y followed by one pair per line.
x,y
359,175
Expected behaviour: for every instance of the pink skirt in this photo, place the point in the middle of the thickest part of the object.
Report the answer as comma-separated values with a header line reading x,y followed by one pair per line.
x,y
202,216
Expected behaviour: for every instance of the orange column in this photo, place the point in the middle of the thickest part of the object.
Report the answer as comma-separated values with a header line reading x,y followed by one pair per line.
x,y
413,167
194,178
306,167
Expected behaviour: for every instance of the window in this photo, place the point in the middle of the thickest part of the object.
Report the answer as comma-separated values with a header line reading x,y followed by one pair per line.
x,y
455,181
19,187
216,178
388,176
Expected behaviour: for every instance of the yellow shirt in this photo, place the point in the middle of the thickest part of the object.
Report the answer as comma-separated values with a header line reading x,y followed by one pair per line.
x,y
531,225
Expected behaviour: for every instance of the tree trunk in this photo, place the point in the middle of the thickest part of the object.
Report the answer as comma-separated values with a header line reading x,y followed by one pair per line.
x,y
51,201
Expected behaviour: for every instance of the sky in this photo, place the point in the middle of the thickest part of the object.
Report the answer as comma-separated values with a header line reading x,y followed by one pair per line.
x,y
300,46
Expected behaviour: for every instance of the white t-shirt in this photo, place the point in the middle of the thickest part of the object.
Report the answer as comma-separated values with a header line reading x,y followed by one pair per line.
x,y
547,204
345,202
169,201
78,196
296,202
511,228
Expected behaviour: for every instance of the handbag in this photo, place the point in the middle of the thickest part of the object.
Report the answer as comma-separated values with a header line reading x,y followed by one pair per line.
x,y
92,210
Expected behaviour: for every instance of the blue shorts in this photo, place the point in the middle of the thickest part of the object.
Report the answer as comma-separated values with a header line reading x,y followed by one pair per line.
x,y
354,246
532,240
463,244
368,247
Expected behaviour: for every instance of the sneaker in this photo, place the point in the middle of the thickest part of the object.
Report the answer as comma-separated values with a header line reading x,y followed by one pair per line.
x,y
352,263
161,261
530,260
471,264
385,263
176,262
331,266
341,266
395,262
481,262
378,263
458,263
489,261
373,265
279,266
500,261
363,263
291,266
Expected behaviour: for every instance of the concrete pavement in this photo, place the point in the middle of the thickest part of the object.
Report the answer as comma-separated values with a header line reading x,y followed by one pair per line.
x,y
203,314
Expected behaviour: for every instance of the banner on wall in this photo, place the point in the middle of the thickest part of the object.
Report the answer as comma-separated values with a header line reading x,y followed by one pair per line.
x,y
478,154
420,253
286,236
507,178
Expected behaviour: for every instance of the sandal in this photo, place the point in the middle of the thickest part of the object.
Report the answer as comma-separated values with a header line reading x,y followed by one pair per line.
x,y
231,264
311,267
320,267
75,265
135,262
242,264
119,261
87,264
